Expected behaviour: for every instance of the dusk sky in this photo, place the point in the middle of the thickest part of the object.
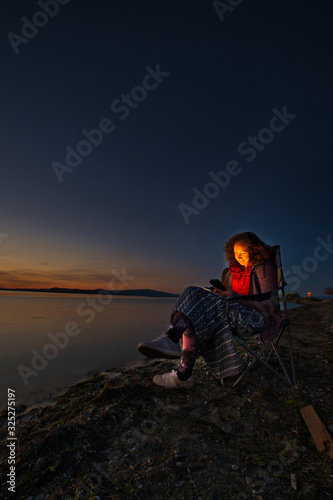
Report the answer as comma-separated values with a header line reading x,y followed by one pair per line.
x,y
139,136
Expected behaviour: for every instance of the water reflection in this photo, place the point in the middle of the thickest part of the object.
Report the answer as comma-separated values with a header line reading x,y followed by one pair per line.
x,y
108,337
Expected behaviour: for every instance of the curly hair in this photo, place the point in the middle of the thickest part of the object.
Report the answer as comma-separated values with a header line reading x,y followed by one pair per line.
x,y
258,250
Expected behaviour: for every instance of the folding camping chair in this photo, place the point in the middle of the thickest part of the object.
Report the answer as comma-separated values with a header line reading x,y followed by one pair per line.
x,y
270,347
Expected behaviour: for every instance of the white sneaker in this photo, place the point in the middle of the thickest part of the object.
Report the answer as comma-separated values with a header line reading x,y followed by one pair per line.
x,y
162,347
171,381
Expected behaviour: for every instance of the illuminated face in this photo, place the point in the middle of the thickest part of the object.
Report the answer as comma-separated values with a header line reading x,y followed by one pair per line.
x,y
241,253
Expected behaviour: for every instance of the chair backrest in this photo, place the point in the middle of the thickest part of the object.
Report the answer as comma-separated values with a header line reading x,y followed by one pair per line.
x,y
280,279
278,265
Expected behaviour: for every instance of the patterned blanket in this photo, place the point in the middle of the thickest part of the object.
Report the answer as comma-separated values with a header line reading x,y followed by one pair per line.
x,y
213,324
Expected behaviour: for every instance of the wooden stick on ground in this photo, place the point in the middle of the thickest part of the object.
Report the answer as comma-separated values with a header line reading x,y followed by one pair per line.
x,y
321,436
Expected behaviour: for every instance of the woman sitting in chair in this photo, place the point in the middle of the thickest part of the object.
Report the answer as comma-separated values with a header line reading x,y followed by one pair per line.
x,y
205,320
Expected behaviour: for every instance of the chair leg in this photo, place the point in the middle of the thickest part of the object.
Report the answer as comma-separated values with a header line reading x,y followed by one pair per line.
x,y
292,363
275,342
293,371
258,358
282,364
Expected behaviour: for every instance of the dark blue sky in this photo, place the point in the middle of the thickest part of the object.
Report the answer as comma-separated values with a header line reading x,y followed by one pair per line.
x,y
198,89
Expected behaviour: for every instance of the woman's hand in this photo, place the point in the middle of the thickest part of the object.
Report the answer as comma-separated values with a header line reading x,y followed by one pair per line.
x,y
227,293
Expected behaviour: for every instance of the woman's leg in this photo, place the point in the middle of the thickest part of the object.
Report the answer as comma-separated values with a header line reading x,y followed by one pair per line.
x,y
182,377
166,345
189,354
177,327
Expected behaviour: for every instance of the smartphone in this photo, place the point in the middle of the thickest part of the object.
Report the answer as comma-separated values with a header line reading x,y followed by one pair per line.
x,y
217,284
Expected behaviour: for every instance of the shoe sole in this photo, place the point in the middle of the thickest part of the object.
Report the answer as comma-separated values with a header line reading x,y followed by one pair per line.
x,y
155,353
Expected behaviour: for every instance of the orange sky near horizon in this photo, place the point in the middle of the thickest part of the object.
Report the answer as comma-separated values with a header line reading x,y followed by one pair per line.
x,y
13,279
73,267
87,277
40,257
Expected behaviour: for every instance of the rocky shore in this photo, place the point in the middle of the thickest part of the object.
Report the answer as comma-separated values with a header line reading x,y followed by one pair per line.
x,y
118,436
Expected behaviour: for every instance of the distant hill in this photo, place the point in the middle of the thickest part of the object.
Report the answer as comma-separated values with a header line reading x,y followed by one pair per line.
x,y
146,292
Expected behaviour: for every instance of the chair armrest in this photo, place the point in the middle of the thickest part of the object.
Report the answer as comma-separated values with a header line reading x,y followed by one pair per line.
x,y
259,297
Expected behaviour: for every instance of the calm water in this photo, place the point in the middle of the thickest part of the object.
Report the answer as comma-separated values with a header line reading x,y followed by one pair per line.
x,y
104,338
